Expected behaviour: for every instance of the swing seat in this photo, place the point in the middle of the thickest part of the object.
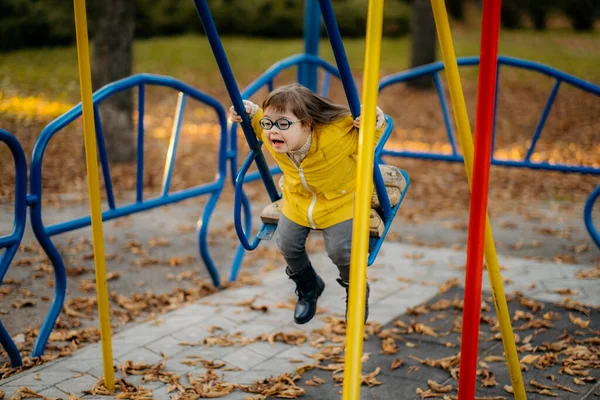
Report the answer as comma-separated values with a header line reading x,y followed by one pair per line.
x,y
272,213
395,185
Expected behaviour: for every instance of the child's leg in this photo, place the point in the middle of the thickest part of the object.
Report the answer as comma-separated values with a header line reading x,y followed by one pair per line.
x,y
291,240
338,243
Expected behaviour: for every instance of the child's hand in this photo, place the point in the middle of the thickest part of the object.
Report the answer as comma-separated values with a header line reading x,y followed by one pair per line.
x,y
251,110
379,122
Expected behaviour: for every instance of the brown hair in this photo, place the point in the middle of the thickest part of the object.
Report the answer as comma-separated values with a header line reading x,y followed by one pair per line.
x,y
308,106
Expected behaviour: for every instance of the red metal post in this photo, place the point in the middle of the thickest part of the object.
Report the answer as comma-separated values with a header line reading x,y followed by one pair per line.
x,y
490,27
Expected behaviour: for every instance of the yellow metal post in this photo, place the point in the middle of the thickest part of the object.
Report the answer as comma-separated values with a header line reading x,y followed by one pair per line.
x,y
362,206
85,79
466,143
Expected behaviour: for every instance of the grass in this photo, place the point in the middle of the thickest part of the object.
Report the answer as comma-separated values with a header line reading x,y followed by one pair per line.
x,y
52,73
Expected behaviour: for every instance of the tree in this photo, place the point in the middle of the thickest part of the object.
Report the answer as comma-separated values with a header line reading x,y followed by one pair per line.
x,y
423,38
581,14
112,60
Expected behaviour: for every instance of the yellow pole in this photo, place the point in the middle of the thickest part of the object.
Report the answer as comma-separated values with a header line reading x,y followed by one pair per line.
x,y
466,143
85,79
362,206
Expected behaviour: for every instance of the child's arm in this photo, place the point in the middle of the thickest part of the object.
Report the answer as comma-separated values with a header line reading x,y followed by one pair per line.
x,y
252,110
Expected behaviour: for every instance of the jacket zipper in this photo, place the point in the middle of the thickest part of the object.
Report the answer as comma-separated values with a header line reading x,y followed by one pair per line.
x,y
311,207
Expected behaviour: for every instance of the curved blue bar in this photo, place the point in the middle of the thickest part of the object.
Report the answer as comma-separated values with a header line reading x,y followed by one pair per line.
x,y
502,60
340,56
587,216
379,242
43,233
278,67
560,76
11,242
377,177
237,207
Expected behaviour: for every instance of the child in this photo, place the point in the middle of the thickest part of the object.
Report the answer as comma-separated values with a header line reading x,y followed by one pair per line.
x,y
315,143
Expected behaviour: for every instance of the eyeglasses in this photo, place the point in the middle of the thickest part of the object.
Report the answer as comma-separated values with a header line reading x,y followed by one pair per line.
x,y
282,123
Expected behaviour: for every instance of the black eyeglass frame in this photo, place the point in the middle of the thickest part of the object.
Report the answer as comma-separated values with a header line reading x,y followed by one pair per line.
x,y
276,123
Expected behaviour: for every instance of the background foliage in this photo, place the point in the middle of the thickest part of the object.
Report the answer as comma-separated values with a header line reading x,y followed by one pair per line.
x,y
36,23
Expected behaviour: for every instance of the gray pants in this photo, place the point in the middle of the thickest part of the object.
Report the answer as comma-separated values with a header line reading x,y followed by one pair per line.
x,y
291,240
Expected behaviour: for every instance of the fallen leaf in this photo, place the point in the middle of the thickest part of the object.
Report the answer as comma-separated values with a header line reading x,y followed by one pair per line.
x,y
435,386
397,363
579,322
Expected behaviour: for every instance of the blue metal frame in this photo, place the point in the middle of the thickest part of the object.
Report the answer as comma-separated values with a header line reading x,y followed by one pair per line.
x,y
10,243
559,77
44,233
587,216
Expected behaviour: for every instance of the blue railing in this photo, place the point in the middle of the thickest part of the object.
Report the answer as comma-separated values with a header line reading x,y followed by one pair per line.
x,y
587,216
10,243
43,233
435,68
559,77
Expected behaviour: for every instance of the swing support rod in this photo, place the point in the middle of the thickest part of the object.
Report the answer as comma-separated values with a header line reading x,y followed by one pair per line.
x,y
360,241
234,93
85,79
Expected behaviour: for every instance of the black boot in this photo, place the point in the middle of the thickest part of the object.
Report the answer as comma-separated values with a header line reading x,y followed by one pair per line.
x,y
346,285
309,287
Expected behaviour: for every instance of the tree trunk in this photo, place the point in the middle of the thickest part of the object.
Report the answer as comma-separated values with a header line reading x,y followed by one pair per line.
x,y
112,60
423,38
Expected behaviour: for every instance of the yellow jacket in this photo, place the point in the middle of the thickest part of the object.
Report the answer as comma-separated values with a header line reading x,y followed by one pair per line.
x,y
320,193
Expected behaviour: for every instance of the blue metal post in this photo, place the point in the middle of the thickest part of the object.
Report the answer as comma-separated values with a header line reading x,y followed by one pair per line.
x,y
234,93
139,185
307,73
542,121
340,56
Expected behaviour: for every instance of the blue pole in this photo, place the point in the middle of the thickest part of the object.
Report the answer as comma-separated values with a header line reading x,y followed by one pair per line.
x,y
307,73
234,93
340,56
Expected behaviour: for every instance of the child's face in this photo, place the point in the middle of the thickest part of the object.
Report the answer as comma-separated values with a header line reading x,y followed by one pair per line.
x,y
284,140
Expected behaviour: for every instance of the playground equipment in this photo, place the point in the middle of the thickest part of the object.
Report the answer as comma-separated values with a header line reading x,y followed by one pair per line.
x,y
44,233
10,243
307,64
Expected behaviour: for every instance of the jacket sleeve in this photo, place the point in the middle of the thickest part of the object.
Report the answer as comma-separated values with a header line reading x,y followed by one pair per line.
x,y
258,130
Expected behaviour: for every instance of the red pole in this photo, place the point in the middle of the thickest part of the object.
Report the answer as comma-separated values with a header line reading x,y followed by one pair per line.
x,y
490,27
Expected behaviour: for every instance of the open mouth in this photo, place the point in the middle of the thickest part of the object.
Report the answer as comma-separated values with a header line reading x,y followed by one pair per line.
x,y
277,142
